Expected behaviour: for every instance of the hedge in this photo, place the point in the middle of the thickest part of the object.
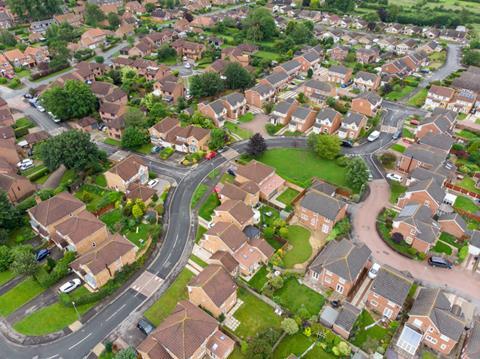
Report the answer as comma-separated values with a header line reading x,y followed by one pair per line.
x,y
40,173
21,131
58,272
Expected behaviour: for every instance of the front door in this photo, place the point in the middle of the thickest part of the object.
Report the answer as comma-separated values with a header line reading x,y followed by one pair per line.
x,y
339,288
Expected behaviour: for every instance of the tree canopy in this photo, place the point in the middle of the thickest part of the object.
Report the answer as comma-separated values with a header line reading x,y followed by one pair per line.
x,y
74,100
7,38
325,146
134,137
206,84
35,9
259,25
256,145
93,14
237,77
218,138
9,216
357,173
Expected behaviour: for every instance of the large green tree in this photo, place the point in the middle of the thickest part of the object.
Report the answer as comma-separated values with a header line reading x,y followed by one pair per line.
x,y
259,25
23,262
59,55
206,84
34,9
72,149
93,14
63,32
9,216
218,138
74,100
325,146
6,258
237,77
357,173
113,20
134,137
7,38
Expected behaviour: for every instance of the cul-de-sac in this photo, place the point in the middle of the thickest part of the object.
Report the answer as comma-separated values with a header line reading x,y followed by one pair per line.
x,y
241,179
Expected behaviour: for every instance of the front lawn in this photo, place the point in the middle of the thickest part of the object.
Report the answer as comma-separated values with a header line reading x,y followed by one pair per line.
x,y
369,340
418,99
207,208
6,276
140,234
396,190
442,247
198,194
112,142
168,301
19,295
398,147
301,250
242,133
466,204
254,315
469,184
200,232
300,166
297,344
247,117
288,196
111,218
258,281
407,133
294,296
399,92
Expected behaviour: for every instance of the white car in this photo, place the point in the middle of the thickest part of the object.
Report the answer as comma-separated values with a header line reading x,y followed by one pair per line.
x,y
26,166
40,108
394,177
25,162
152,183
187,65
372,273
70,286
373,136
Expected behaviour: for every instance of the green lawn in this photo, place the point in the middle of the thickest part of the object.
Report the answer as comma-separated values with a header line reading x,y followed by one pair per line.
x,y
259,279
198,261
139,236
6,276
448,238
254,315
19,295
272,56
68,177
200,232
398,147
407,133
112,217
294,295
298,238
112,142
167,302
198,194
247,117
146,149
31,171
469,184
419,98
297,344
469,135
207,208
399,92
396,190
50,319
288,196
442,247
301,166
23,122
373,337
236,130
100,180
466,204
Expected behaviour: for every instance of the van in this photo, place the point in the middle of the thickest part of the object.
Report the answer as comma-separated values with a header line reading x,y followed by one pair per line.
x,y
439,262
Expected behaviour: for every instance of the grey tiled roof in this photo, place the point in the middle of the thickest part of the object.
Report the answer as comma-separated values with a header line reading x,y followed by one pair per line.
x,y
371,97
318,85
353,117
391,285
262,89
276,77
422,174
301,112
472,349
420,217
282,107
454,217
217,106
431,186
234,98
475,239
366,76
290,65
347,317
322,204
340,69
441,141
425,154
326,114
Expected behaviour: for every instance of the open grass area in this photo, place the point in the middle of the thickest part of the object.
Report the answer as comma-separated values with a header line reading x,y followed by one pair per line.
x,y
469,184
374,337
19,295
398,147
167,302
254,315
51,318
399,92
145,149
407,133
442,247
297,344
259,279
288,196
267,55
466,204
294,296
300,250
140,234
207,208
6,276
396,190
198,194
448,238
418,99
111,218
238,131
301,166
112,142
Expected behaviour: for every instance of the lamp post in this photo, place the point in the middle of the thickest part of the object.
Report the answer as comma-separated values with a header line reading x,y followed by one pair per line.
x,y
76,311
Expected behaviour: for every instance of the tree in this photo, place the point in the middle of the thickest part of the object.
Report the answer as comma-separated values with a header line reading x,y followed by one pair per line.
x,y
388,159
268,107
206,84
289,326
302,98
471,57
99,59
74,100
342,349
34,9
134,117
23,262
128,353
325,146
7,38
309,73
63,32
259,25
10,217
113,20
237,77
357,173
59,55
256,145
166,52
300,32
218,138
137,211
72,149
134,137
6,258
93,15
276,282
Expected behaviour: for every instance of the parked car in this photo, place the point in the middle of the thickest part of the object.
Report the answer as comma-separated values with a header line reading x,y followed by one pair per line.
x,y
156,149
26,166
211,155
40,108
27,96
373,136
397,134
231,172
372,273
439,262
347,143
54,118
187,65
152,183
394,177
42,254
24,162
70,286
145,326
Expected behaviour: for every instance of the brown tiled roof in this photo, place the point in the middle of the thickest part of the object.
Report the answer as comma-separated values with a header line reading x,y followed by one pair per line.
x,y
7,180
101,88
166,124
86,121
250,187
442,91
233,192
226,260
55,208
6,132
237,209
128,167
109,107
263,247
36,137
233,237
220,345
136,190
216,283
79,227
115,95
255,171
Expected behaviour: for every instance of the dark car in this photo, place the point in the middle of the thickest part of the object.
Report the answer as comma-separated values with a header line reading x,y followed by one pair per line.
x,y
28,96
346,143
231,172
396,135
145,326
156,149
42,254
439,262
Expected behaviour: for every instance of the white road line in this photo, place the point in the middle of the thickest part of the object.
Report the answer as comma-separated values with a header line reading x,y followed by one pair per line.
x,y
53,356
79,342
115,312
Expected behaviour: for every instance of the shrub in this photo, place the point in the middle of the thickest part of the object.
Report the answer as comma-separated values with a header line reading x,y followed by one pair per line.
x,y
268,233
342,161
59,271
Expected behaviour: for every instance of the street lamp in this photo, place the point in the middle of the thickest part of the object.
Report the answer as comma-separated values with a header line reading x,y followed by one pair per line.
x,y
76,311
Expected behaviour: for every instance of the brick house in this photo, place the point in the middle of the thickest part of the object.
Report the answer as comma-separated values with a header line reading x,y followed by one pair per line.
x,y
188,139
433,317
130,170
236,105
309,60
226,260
440,141
282,112
259,95
352,125
367,56
6,69
18,59
291,68
302,119
471,348
199,331
327,121
16,187
249,193
170,88
214,290
93,38
215,110
8,151
110,111
418,155
235,212
263,176
416,225
440,121
438,96
241,53
454,224
115,128
339,74
319,211
366,81
318,91
388,292
397,68
427,193
346,319
338,266
367,103
339,53
69,17
278,80
192,50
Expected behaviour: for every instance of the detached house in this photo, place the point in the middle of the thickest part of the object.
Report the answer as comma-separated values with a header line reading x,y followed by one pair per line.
x,y
418,155
367,103
282,112
192,50
309,60
318,91
235,212
327,121
463,101
130,170
366,81
339,74
278,80
339,53
453,224
338,266
428,193
439,122
291,68
302,119
259,95
352,125
263,176
367,56
215,110
249,193
236,105
93,38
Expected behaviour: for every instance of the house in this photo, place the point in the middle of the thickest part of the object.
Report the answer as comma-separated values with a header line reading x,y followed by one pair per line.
x,y
263,176
249,193
93,38
70,18
215,110
278,80
405,46
282,112
6,21
115,128
100,264
339,53
6,69
439,141
393,28
366,81
198,330
318,91
46,215
428,193
130,170
170,88
302,119
90,70
202,21
368,103
319,211
471,348
396,68
189,139
346,320
7,132
388,292
226,260
417,227
134,7
474,243
291,68
192,50
241,53
453,224
431,47
218,66
433,316
111,111
352,125
259,95
37,54
214,290
36,137
6,117
338,266
438,96
236,105
327,121
142,192
16,187
439,122
339,74
235,212
309,60
8,151
367,55
418,155
40,26
18,59
463,101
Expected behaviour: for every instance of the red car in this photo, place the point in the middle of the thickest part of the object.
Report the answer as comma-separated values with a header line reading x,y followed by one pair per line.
x,y
211,155
414,122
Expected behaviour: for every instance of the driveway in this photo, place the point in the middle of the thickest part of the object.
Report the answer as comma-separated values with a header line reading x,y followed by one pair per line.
x,y
457,280
257,125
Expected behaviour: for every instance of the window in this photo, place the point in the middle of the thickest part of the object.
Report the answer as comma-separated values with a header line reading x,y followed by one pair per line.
x,y
431,339
375,295
325,228
418,323
443,347
339,288
388,313
315,275
373,303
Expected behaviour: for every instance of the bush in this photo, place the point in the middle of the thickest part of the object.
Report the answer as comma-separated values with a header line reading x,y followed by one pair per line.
x,y
342,161
59,271
38,174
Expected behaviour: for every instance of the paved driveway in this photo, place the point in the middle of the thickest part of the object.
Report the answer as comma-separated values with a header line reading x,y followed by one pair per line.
x,y
364,216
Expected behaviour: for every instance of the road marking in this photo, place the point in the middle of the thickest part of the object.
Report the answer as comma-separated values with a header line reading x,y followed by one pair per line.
x,y
53,356
79,342
115,312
